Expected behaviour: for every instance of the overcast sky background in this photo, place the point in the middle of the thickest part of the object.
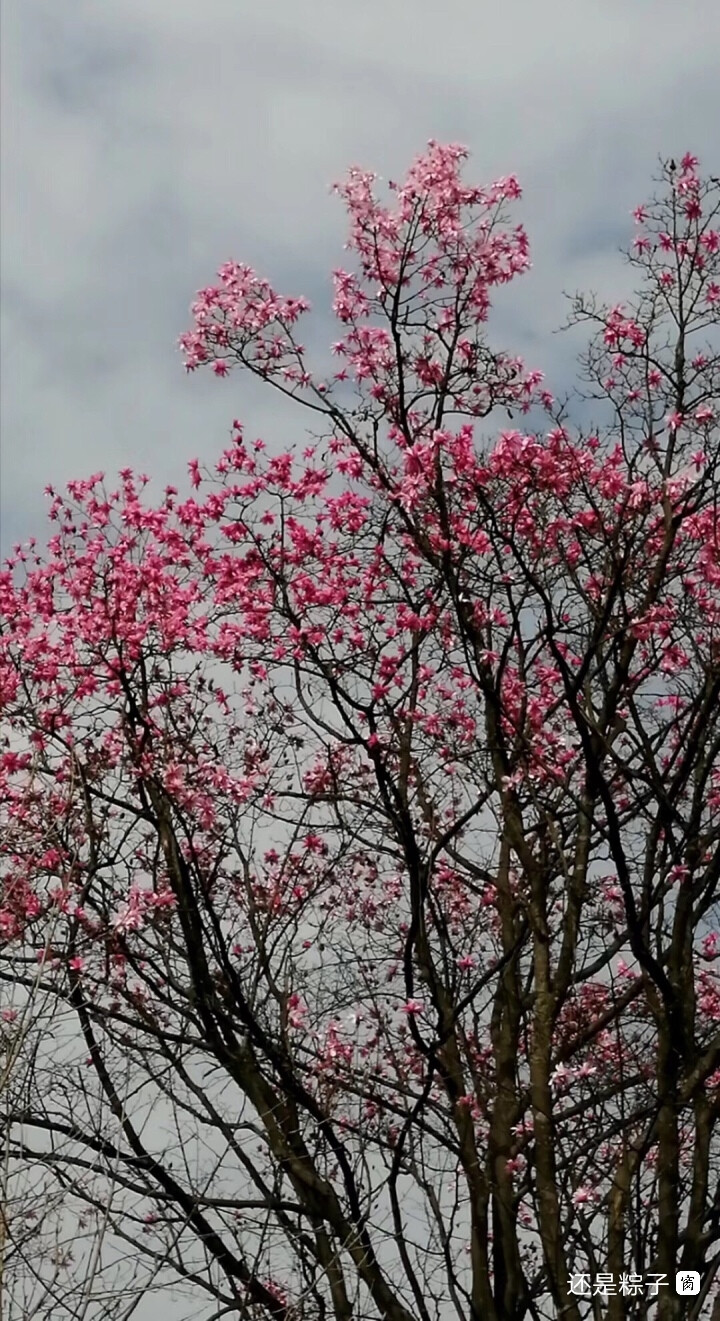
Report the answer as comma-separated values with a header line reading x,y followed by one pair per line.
x,y
145,142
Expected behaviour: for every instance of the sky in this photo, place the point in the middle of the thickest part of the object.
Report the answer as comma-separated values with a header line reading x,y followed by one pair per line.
x,y
145,142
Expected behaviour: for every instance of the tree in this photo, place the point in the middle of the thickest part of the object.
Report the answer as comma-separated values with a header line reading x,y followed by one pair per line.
x,y
361,807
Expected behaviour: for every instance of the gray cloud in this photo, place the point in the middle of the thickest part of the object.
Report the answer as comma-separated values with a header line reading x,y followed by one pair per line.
x,y
143,144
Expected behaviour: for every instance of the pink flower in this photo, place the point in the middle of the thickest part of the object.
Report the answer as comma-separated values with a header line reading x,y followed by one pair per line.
x,y
561,1076
297,1010
710,945
412,1007
584,1196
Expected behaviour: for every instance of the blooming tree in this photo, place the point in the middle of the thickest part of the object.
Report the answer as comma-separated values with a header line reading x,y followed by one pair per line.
x,y
361,807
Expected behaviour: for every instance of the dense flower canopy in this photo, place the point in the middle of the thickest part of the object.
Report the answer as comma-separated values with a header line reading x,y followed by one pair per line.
x,y
360,807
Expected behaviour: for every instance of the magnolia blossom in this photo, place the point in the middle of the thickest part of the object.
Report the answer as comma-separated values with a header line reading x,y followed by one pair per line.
x,y
311,772
561,1076
584,1196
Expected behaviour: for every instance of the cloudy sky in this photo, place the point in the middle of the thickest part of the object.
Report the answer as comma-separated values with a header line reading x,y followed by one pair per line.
x,y
144,142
